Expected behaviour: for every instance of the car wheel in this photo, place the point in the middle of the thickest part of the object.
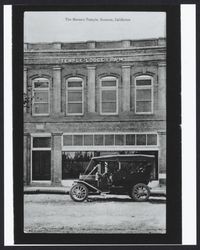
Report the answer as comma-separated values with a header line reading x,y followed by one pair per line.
x,y
140,192
78,192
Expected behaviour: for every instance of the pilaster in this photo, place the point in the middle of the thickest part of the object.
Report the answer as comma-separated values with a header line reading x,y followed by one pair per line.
x,y
27,158
162,156
56,159
25,85
126,88
91,88
57,90
162,88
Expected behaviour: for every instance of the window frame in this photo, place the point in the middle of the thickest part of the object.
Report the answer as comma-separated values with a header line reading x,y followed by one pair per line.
x,y
113,146
74,79
143,87
102,88
40,90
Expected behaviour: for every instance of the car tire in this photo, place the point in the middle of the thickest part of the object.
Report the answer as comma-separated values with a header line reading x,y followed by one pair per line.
x,y
140,192
78,192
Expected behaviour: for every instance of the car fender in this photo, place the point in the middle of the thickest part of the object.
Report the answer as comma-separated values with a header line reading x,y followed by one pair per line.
x,y
89,186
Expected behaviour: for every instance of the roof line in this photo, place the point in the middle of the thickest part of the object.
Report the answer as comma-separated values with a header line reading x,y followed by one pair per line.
x,y
86,41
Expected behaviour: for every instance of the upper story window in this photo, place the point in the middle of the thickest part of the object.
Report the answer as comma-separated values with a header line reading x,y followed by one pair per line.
x,y
144,95
74,96
109,95
40,103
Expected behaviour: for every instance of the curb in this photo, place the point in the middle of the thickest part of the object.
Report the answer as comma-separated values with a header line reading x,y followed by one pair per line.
x,y
45,192
51,191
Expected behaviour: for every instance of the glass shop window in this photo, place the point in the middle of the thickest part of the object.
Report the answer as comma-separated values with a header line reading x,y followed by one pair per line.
x,y
109,139
98,140
130,139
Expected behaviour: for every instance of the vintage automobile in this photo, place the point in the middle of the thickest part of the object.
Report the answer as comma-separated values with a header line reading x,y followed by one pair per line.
x,y
127,174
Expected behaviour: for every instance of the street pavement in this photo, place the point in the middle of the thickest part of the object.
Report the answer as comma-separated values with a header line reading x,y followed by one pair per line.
x,y
57,213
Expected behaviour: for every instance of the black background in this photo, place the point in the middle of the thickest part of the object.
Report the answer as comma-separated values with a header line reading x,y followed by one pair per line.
x,y
173,235
18,207
171,186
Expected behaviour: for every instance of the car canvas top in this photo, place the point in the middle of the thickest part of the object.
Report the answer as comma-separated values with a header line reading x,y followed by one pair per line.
x,y
120,157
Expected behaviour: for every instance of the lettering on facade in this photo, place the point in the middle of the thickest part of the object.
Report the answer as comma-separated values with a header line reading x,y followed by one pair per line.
x,y
92,60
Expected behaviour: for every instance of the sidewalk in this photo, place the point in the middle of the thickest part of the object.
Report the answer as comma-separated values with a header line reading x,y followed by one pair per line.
x,y
156,190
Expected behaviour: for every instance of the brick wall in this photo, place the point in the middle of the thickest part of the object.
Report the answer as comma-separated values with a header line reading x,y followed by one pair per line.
x,y
142,57
101,70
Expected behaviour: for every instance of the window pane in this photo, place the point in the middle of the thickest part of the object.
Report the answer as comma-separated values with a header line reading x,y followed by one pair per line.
x,y
74,96
67,140
75,163
75,108
151,139
107,83
41,96
41,142
130,139
98,139
41,84
140,139
75,84
41,108
119,139
108,95
78,140
144,94
142,106
109,139
88,140
108,107
143,82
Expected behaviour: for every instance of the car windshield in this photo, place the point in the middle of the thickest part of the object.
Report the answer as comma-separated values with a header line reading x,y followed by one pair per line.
x,y
90,167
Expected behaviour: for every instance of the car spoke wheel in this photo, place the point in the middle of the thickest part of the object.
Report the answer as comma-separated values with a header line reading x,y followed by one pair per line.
x,y
79,192
140,192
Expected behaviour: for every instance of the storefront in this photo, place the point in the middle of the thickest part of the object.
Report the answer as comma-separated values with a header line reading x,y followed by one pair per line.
x,y
78,149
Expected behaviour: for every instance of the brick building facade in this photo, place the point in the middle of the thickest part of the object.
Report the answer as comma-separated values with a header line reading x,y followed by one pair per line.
x,y
92,98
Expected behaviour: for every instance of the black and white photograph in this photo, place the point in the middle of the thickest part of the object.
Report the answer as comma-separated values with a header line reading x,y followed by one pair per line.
x,y
94,122
99,124
100,119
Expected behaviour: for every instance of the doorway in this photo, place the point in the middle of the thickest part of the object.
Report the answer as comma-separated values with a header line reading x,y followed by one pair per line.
x,y
41,165
41,158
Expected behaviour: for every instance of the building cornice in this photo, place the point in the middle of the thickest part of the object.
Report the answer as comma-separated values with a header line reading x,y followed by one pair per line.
x,y
92,50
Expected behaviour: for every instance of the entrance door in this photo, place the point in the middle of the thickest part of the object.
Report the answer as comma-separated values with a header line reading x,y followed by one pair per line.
x,y
41,165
